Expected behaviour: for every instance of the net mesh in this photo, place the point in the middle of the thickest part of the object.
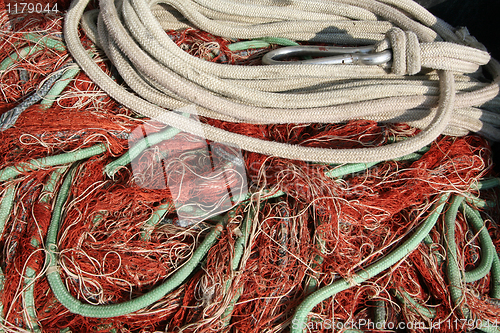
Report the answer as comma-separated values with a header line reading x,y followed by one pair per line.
x,y
318,230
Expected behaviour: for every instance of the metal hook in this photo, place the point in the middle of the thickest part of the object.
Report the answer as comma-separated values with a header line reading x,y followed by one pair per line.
x,y
344,55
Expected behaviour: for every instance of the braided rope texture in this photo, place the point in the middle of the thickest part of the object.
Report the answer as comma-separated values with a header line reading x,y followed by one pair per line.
x,y
432,71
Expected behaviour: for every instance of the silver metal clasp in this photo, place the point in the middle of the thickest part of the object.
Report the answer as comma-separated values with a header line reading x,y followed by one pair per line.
x,y
342,55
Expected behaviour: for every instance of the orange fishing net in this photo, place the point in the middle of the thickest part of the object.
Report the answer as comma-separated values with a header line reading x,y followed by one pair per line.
x,y
306,228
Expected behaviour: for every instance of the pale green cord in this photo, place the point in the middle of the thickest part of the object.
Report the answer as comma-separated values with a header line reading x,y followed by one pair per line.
x,y
30,316
24,52
428,240
5,209
495,278
29,301
379,313
58,287
422,310
261,43
241,242
150,140
300,317
488,250
265,195
246,45
58,87
51,183
6,206
239,249
312,284
480,203
454,273
52,43
351,168
155,218
226,316
42,43
487,184
35,164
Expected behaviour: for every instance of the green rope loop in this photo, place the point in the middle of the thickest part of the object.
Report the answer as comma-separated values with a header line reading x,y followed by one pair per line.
x,y
488,251
58,287
299,319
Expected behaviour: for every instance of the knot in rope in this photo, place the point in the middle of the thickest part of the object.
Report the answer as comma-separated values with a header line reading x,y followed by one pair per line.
x,y
406,58
409,55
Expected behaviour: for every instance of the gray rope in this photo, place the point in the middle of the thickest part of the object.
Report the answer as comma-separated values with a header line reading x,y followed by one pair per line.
x,y
9,118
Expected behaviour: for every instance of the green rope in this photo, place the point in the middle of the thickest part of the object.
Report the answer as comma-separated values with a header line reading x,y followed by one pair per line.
x,y
155,218
312,284
239,249
351,168
30,316
495,278
58,287
241,242
36,164
410,302
42,43
150,140
52,43
6,206
348,169
261,43
454,273
379,313
50,185
58,87
480,203
5,209
300,317
487,184
488,251
437,256
278,41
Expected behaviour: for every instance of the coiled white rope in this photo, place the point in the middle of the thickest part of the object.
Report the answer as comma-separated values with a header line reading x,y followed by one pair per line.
x,y
432,84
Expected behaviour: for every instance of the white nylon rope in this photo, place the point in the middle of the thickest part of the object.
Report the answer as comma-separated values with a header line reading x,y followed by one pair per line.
x,y
165,77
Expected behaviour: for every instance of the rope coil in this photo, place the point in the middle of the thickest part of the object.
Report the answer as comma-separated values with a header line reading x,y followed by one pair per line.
x,y
152,228
165,77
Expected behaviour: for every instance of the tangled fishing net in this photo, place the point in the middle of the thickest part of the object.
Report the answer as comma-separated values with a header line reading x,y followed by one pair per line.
x,y
113,221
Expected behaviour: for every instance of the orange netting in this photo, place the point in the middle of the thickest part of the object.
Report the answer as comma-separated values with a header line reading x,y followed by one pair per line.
x,y
318,230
